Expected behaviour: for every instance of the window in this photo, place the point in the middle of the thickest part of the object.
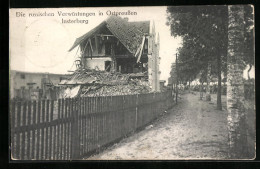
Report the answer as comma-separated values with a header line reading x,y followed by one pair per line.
x,y
22,76
30,85
107,65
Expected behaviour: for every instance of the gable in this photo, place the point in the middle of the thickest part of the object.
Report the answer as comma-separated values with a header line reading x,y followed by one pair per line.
x,y
130,34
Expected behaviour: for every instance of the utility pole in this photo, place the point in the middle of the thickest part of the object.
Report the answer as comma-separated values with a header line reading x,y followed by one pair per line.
x,y
176,77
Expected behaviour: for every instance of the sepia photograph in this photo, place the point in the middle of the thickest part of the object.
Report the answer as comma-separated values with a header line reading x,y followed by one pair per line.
x,y
132,83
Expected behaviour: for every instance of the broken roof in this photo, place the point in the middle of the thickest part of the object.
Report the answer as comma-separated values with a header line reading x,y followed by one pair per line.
x,y
87,77
130,34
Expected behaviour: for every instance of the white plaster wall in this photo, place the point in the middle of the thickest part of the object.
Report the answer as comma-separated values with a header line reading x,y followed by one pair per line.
x,y
29,78
97,62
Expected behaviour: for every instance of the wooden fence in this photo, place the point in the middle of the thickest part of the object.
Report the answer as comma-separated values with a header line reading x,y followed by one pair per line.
x,y
68,129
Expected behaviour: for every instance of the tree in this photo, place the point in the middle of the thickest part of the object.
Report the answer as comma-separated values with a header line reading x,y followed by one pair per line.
x,y
204,32
237,49
249,53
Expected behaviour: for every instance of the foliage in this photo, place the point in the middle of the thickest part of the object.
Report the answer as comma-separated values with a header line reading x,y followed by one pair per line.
x,y
204,33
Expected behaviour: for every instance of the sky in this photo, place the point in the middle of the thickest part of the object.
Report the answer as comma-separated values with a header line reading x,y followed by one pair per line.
x,y
41,43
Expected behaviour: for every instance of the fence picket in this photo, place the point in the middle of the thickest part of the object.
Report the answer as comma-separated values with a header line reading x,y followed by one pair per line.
x,y
81,126
51,129
88,123
66,130
42,129
70,128
84,125
33,130
75,134
62,131
71,125
91,124
13,109
95,123
23,123
58,133
18,134
38,114
47,143
102,122
28,151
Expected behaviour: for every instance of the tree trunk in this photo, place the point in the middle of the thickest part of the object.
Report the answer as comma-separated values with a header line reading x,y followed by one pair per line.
x,y
219,104
189,86
208,97
235,88
201,90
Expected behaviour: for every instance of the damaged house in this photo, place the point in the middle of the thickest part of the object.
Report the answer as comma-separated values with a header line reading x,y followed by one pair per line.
x,y
121,47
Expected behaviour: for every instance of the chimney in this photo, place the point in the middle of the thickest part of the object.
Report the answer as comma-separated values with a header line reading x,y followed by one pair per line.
x,y
126,19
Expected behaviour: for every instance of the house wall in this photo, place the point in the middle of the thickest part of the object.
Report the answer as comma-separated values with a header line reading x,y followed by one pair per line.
x,y
19,82
11,84
96,62
153,61
157,70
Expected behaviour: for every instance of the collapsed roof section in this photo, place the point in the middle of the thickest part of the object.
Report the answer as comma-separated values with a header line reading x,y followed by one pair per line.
x,y
92,77
130,34
100,83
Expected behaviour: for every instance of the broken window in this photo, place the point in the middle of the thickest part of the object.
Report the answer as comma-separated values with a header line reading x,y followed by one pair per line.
x,y
107,65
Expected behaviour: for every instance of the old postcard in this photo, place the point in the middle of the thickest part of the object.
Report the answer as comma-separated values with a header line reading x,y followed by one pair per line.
x,y
132,83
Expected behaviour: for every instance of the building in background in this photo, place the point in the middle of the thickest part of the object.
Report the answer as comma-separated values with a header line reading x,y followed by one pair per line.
x,y
26,84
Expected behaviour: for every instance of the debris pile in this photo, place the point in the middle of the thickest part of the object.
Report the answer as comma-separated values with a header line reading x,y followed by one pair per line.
x,y
84,77
135,86
100,83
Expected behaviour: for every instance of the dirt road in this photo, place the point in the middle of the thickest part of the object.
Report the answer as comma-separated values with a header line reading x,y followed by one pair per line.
x,y
193,129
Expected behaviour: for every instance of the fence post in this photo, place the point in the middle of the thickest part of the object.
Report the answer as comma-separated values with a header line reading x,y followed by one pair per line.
x,y
75,134
13,106
136,112
154,106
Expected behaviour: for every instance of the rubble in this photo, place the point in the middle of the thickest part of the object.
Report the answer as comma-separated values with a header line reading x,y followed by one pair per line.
x,y
134,87
100,83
